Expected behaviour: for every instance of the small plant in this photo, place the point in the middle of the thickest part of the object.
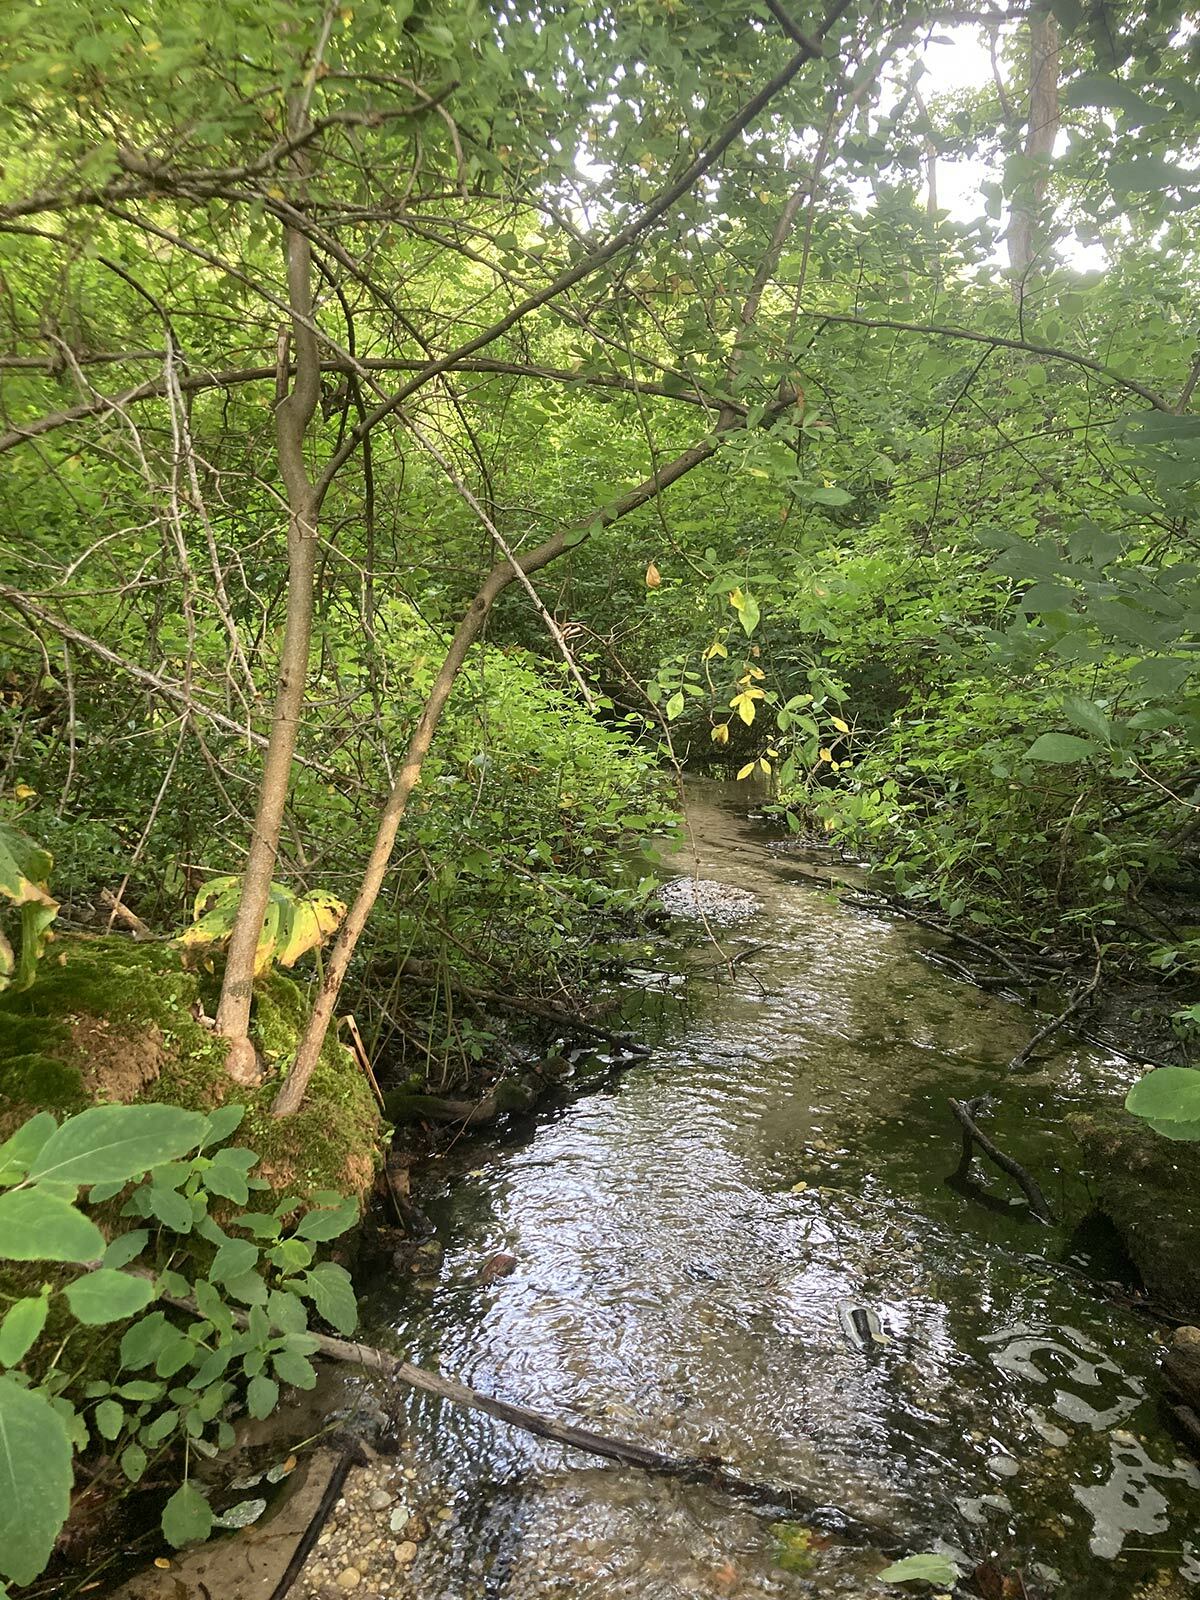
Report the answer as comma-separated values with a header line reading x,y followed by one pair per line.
x,y
293,925
937,1570
25,882
1168,1098
216,1317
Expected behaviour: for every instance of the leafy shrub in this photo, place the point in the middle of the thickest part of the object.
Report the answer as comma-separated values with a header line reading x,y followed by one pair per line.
x,y
215,1316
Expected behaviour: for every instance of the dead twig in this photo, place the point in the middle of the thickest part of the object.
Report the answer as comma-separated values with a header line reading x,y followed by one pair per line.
x,y
1055,1023
966,1111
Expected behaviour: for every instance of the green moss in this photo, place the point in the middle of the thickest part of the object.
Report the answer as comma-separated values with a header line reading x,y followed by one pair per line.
x,y
108,1019
1150,1188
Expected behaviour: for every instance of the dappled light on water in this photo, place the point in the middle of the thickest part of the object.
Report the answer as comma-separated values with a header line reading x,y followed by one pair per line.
x,y
701,1247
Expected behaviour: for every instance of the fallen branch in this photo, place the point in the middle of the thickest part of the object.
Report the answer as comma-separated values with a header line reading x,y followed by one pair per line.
x,y
432,976
707,1471
1055,1023
973,1135
877,900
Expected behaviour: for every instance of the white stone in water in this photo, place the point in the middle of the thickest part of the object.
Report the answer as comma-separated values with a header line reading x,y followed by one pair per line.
x,y
1003,1467
398,1520
379,1500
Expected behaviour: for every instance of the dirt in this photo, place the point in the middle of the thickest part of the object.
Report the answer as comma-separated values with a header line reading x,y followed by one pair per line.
x,y
115,1064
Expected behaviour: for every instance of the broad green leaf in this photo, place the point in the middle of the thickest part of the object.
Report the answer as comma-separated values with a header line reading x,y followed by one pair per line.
x,y
21,1149
332,1293
146,1340
234,1259
22,1324
134,1462
1168,1098
107,1143
108,1296
262,1396
126,1247
329,1222
187,1517
295,1369
221,1123
35,1480
36,1225
921,1569
110,1419
1060,748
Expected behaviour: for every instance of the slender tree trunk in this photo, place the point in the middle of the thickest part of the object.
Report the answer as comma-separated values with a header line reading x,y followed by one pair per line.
x,y
1028,236
291,1092
293,413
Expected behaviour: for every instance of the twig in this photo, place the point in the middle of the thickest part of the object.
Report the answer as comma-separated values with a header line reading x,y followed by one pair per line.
x,y
359,1051
417,972
877,900
353,1456
1055,1023
121,913
972,1134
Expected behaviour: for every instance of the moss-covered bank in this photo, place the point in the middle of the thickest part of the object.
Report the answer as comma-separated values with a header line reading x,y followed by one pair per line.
x,y
1150,1188
112,1020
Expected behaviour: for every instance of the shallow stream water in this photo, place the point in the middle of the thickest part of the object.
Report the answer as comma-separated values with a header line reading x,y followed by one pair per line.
x,y
690,1242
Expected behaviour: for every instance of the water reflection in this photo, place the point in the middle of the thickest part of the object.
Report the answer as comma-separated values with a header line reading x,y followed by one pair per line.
x,y
686,1241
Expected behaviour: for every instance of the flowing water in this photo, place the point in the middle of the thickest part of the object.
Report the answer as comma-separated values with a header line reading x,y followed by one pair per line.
x,y
691,1240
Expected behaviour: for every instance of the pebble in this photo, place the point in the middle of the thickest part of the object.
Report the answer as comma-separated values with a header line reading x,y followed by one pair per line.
x,y
405,1553
398,1520
350,1578
379,1500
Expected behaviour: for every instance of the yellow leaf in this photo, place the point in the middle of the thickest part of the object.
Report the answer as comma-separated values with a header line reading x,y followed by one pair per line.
x,y
825,755
275,192
764,764
799,1188
745,708
715,649
746,770
653,576
720,733
737,599
24,792
842,727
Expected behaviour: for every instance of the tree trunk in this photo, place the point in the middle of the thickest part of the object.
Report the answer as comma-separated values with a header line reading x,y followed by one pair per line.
x,y
1028,235
293,414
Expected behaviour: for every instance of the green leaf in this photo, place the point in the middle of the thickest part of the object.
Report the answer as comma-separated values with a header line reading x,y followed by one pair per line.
x,y
294,1369
36,1225
171,1208
110,1419
221,1123
1169,1100
21,1327
287,1312
748,614
126,1247
187,1517
35,1480
108,1143
1060,748
145,1341
921,1569
17,1152
332,1293
133,1462
675,706
108,1296
328,1222
235,1258
262,1396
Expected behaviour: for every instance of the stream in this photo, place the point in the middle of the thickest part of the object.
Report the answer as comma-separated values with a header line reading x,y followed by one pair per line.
x,y
691,1239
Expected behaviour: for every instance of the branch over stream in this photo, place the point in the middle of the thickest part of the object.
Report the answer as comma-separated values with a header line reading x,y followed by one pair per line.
x,y
707,1471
